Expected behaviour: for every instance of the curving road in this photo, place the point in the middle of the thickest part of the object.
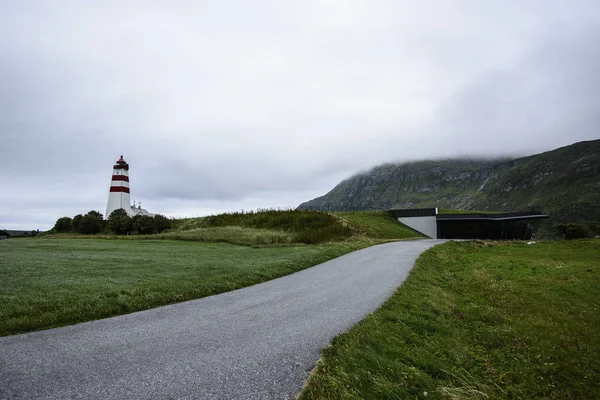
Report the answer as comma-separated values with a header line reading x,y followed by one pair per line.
x,y
255,343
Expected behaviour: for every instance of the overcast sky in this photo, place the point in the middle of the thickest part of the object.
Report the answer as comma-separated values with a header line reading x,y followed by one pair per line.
x,y
229,105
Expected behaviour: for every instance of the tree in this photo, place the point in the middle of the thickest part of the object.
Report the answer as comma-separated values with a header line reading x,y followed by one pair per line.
x,y
161,223
63,224
91,223
144,225
76,221
119,222
97,215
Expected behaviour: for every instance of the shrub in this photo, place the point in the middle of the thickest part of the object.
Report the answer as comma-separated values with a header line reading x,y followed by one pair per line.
x,y
91,223
576,232
64,224
162,223
573,231
119,222
76,221
144,225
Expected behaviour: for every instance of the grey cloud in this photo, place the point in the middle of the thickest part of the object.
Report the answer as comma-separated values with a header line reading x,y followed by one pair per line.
x,y
548,99
228,178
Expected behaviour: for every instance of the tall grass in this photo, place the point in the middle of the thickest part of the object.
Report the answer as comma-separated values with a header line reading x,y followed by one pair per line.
x,y
231,234
308,227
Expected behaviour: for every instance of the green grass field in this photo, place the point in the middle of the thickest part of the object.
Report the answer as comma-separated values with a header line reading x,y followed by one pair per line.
x,y
52,282
64,279
477,320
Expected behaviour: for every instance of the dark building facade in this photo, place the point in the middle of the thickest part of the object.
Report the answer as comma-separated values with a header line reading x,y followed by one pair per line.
x,y
493,226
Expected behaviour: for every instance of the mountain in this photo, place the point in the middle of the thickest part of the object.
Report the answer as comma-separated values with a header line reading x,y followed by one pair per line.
x,y
564,183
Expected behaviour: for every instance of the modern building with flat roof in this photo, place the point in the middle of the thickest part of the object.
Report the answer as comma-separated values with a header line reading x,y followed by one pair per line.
x,y
494,226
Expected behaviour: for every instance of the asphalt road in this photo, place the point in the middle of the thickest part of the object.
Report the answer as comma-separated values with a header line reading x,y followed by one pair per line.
x,y
260,342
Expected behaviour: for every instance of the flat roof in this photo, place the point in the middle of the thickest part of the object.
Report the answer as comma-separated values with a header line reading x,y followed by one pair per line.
x,y
489,217
433,212
413,212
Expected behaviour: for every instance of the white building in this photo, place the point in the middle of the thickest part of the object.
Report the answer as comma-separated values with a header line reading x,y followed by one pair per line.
x,y
119,196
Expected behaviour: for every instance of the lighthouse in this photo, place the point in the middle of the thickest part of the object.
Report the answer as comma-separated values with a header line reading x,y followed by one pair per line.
x,y
119,196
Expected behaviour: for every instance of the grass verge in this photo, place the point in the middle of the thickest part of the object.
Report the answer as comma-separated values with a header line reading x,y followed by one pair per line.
x,y
47,283
476,320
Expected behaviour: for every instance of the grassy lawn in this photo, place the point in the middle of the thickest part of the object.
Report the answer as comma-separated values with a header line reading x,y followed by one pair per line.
x,y
53,282
476,320
63,279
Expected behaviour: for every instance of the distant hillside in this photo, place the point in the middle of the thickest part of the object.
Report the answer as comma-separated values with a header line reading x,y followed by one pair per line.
x,y
565,183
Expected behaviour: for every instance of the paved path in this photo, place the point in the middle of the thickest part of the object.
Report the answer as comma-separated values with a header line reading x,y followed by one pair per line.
x,y
255,343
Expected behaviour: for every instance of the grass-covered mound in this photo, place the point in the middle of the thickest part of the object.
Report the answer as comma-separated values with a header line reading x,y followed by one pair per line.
x,y
375,225
305,226
476,320
284,227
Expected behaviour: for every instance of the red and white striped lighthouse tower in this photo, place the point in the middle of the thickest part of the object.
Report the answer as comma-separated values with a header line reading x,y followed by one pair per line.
x,y
119,188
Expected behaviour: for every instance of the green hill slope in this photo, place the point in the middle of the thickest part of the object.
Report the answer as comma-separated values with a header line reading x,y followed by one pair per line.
x,y
450,183
565,183
285,227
